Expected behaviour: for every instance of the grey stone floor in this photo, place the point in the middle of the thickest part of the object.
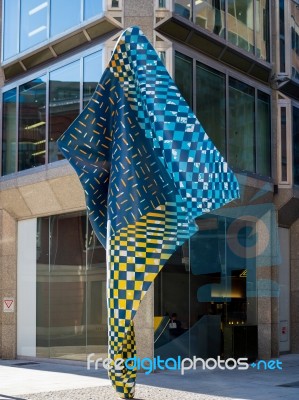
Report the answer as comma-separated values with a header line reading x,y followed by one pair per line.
x,y
44,380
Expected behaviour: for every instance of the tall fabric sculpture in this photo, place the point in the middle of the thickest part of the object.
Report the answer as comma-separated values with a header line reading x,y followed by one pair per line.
x,y
148,169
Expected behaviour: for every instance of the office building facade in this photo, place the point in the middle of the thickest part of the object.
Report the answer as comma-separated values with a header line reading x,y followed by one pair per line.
x,y
233,286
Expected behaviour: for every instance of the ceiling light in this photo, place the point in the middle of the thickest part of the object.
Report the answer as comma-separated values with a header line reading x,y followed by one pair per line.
x,y
41,123
37,30
38,8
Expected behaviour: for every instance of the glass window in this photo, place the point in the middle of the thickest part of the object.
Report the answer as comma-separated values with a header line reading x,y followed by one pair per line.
x,y
71,314
240,24
64,15
9,132
115,3
241,125
64,104
92,68
210,101
283,143
296,144
210,14
295,39
32,124
183,8
92,8
281,36
183,76
262,29
263,135
210,286
10,31
34,22
162,4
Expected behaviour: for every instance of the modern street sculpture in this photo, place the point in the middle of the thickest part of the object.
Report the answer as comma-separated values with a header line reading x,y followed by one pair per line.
x,y
148,170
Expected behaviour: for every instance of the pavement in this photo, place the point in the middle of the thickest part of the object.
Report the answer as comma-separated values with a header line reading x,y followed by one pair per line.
x,y
38,380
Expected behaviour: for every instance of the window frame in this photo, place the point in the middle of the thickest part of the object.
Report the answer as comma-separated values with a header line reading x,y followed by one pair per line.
x,y
229,72
254,53
15,84
49,38
286,103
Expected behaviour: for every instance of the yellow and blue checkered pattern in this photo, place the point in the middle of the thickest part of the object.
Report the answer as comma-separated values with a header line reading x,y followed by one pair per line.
x,y
148,170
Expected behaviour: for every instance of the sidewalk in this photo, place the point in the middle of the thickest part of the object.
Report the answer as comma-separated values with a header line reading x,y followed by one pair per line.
x,y
34,380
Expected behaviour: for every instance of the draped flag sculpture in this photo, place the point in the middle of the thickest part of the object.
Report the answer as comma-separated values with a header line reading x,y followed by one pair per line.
x,y
148,169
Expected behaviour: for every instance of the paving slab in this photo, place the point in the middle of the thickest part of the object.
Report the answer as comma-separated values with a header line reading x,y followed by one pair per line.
x,y
38,380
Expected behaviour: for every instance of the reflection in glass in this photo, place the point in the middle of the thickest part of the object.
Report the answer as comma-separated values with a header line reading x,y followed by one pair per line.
x,y
32,124
10,30
296,145
210,283
240,24
92,8
71,289
183,8
64,15
34,22
9,132
64,104
295,39
67,286
283,144
183,76
210,101
96,306
42,288
263,135
241,125
282,36
210,15
172,297
262,29
92,72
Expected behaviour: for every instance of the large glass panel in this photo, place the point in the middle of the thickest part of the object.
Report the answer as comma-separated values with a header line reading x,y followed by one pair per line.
x,y
92,8
64,15
32,124
210,101
10,30
91,75
210,15
296,145
183,76
283,144
68,286
9,132
96,306
263,135
241,126
71,289
42,288
295,39
282,36
210,284
172,316
183,8
64,104
240,24
34,22
262,29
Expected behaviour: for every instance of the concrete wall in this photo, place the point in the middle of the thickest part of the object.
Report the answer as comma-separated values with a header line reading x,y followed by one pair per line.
x,y
294,295
8,284
140,13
